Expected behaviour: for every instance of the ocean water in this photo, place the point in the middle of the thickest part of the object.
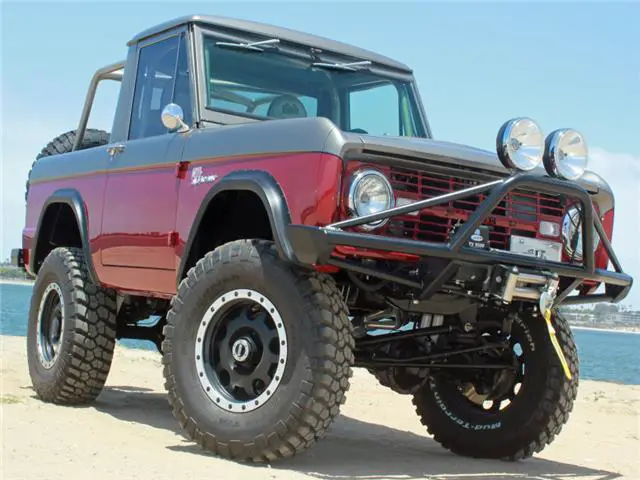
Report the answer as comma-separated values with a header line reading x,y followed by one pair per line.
x,y
604,355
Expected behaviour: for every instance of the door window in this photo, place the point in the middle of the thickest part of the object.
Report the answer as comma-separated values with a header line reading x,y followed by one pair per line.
x,y
162,78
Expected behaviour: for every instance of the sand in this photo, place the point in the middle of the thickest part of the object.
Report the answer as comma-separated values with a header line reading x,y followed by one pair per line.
x,y
129,433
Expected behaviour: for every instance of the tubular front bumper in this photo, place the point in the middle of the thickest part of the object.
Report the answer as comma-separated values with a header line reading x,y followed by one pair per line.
x,y
315,245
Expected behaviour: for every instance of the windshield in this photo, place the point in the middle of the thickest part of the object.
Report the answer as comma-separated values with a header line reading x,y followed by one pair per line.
x,y
268,85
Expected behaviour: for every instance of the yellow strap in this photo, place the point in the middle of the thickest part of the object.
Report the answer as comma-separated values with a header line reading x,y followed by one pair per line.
x,y
556,345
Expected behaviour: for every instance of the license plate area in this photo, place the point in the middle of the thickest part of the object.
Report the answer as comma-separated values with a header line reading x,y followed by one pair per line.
x,y
534,247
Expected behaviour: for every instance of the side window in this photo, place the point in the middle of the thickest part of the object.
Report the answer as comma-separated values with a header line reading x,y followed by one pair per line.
x,y
375,110
154,87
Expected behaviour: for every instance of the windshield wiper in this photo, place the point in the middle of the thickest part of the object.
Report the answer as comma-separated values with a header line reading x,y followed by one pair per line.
x,y
252,46
351,66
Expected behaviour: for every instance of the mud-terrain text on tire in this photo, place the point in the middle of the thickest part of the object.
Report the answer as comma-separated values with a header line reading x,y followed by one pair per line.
x,y
524,420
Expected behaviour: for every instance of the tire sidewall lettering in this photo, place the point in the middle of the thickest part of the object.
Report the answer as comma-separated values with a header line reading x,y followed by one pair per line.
x,y
459,421
506,420
527,331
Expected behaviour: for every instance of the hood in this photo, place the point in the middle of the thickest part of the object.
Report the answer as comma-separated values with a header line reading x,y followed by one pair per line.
x,y
426,149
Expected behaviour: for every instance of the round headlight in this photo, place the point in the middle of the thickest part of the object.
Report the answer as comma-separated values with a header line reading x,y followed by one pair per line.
x,y
370,192
572,234
520,144
566,154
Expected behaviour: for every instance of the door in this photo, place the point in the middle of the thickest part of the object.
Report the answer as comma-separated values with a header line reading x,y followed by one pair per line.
x,y
142,188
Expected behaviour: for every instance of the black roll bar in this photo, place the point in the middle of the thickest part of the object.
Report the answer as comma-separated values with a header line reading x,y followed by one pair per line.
x,y
115,72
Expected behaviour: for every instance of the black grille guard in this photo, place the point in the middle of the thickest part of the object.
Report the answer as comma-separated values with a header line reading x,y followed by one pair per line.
x,y
314,245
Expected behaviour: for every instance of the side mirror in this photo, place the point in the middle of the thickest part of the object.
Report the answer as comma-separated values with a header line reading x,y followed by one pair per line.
x,y
172,118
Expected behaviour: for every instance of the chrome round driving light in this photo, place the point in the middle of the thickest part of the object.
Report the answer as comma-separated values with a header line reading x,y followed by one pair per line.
x,y
520,144
370,192
566,154
572,234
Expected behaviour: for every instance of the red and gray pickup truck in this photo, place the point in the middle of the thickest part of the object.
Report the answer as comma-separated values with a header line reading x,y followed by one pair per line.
x,y
271,210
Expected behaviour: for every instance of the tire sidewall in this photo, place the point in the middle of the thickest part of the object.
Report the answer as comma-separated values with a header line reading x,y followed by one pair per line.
x,y
276,283
53,271
449,411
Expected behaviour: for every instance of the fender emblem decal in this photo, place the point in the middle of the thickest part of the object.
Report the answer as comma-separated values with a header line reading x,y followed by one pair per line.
x,y
197,177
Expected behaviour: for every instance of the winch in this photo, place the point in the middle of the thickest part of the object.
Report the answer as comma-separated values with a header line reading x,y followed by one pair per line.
x,y
511,283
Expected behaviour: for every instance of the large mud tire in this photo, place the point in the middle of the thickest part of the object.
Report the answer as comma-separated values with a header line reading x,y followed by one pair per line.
x,y
535,416
83,337
64,143
315,376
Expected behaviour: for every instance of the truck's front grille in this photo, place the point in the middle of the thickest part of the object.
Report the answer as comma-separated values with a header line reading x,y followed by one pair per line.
x,y
519,213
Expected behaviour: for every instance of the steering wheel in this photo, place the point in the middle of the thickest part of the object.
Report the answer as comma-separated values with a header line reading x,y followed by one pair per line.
x,y
286,106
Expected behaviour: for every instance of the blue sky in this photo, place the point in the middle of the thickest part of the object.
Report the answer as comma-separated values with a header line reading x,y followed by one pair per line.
x,y
477,64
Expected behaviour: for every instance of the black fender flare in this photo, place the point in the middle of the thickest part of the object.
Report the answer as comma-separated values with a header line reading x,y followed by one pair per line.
x,y
265,186
73,199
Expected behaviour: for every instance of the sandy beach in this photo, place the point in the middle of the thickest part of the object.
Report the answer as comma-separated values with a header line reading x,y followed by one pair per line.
x,y
129,433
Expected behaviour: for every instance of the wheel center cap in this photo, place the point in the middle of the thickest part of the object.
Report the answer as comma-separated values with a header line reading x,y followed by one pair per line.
x,y
241,350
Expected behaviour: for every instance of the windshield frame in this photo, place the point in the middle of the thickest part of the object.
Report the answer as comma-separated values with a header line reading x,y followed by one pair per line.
x,y
301,52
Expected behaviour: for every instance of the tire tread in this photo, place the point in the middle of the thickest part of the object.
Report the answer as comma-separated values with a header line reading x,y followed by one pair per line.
x,y
313,412
86,359
549,419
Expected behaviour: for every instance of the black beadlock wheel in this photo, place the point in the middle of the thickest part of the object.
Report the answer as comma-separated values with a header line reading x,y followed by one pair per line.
x,y
526,408
257,353
71,330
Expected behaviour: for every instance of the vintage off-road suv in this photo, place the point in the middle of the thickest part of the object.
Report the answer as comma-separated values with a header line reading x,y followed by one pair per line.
x,y
271,210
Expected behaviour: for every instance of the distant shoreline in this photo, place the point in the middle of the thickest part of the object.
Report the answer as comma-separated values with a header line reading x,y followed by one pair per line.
x,y
16,281
611,330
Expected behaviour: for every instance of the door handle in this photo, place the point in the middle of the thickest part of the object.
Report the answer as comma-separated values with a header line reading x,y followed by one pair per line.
x,y
115,149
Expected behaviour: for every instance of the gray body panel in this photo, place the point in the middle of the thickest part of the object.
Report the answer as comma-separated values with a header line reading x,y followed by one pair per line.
x,y
304,135
80,162
273,136
271,31
457,154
